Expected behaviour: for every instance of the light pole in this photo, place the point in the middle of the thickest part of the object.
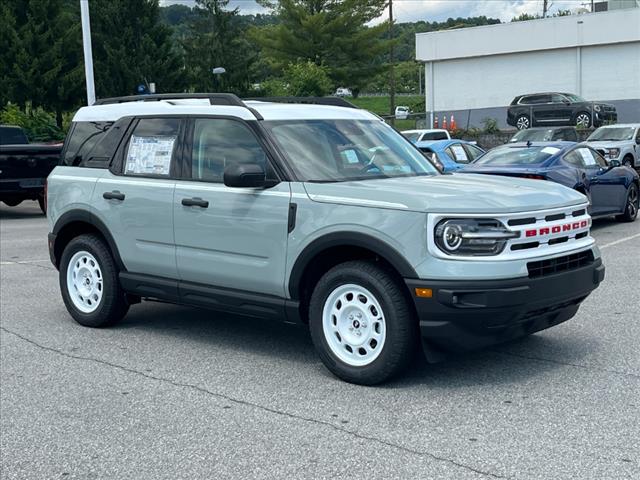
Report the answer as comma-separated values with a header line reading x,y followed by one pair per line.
x,y
217,71
88,55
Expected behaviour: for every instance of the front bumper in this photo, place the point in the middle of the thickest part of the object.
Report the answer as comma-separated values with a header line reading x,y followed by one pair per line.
x,y
463,315
604,117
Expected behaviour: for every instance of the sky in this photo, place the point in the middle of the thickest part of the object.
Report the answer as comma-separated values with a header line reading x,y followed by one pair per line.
x,y
439,10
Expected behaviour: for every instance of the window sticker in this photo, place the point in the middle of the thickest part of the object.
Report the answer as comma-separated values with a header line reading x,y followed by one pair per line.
x,y
459,152
351,156
149,155
550,150
587,157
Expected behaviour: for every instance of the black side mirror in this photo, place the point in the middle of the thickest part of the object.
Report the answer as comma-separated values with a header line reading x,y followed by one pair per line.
x,y
614,163
245,175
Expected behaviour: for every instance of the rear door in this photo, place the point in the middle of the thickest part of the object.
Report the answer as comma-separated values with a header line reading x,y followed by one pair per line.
x,y
234,238
134,198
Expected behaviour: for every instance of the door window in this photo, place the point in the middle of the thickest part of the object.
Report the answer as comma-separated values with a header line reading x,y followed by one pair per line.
x,y
537,99
458,153
473,151
584,158
557,98
218,143
151,147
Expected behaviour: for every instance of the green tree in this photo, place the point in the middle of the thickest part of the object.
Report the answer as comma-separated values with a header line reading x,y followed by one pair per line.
x,y
216,39
306,79
330,33
131,46
41,67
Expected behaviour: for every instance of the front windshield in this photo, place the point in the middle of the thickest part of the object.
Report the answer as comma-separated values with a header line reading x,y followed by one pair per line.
x,y
411,136
343,150
516,156
574,98
528,135
611,133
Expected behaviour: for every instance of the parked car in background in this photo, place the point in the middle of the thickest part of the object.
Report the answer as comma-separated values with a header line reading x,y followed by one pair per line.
x,y
343,92
24,167
611,188
553,108
618,142
542,134
402,112
450,155
12,135
424,134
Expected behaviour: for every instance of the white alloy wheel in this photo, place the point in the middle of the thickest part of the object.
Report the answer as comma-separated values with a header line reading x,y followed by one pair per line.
x,y
84,282
583,120
353,324
522,123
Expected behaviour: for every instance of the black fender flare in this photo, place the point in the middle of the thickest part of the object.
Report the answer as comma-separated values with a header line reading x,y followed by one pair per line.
x,y
84,216
347,239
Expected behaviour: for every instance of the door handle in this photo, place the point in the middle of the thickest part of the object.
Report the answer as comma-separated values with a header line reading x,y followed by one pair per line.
x,y
195,202
115,195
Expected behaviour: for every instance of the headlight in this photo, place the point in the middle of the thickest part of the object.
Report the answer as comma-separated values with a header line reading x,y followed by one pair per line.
x,y
468,236
596,108
614,152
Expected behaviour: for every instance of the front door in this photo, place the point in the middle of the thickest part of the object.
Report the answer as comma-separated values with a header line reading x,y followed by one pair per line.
x,y
234,238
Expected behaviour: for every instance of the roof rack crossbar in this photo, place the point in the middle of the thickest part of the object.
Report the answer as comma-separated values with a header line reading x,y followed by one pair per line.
x,y
332,101
214,98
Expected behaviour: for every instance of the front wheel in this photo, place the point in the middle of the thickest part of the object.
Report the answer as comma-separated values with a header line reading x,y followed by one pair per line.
x,y
89,283
361,323
583,120
632,205
523,122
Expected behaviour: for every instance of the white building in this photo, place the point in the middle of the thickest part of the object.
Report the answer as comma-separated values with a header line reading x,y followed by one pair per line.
x,y
476,72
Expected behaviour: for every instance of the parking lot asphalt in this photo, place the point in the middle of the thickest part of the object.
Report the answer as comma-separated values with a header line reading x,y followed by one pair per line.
x,y
175,392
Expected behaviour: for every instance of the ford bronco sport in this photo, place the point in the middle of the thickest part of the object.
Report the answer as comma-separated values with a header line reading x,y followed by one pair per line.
x,y
317,214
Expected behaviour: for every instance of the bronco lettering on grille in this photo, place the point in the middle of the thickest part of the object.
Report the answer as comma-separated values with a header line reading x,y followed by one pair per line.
x,y
567,227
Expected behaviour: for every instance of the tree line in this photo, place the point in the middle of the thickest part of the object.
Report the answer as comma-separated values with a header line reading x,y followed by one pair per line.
x,y
300,47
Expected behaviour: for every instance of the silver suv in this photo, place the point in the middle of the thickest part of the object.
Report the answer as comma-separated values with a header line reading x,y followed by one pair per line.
x,y
314,214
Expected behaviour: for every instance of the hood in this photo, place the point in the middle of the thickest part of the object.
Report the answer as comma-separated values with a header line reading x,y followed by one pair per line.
x,y
595,144
455,193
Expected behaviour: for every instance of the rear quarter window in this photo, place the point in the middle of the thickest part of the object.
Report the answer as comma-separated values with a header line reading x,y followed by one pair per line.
x,y
82,138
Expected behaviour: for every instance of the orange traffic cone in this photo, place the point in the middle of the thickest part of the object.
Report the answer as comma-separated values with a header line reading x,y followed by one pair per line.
x,y
453,125
444,122
436,122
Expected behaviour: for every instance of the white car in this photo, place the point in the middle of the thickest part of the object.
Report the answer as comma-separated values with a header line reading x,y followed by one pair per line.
x,y
426,134
619,142
343,92
402,112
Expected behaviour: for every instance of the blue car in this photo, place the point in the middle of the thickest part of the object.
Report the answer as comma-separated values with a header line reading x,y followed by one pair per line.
x,y
612,189
450,155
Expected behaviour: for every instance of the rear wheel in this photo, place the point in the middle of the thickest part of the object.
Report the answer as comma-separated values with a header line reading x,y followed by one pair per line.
x,y
523,122
361,323
89,283
632,205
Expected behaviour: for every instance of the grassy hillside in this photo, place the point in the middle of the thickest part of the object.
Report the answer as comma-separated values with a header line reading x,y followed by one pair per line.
x,y
380,105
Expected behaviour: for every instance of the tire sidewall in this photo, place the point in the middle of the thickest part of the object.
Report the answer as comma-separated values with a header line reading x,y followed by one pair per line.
x,y
104,314
627,215
395,315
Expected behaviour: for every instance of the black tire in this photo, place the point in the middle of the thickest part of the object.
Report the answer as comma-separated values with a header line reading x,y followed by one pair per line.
x,y
399,318
583,120
628,161
41,203
523,122
631,206
113,305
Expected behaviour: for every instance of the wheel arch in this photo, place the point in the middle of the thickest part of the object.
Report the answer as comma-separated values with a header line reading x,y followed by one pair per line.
x,y
334,248
78,222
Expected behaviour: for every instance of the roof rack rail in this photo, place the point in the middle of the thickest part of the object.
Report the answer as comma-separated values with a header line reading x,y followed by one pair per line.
x,y
332,101
214,98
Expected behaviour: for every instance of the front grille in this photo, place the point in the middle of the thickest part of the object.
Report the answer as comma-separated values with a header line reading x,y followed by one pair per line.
x,y
543,268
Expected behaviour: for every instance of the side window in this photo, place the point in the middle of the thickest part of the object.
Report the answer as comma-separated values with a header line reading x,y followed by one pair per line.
x,y
582,158
599,159
537,99
638,136
218,143
83,137
473,151
458,153
151,147
557,98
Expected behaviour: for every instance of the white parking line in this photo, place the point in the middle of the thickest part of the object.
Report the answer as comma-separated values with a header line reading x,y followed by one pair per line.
x,y
619,241
23,262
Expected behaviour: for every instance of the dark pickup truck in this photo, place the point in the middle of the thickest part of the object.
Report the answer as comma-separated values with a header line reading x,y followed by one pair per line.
x,y
24,167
